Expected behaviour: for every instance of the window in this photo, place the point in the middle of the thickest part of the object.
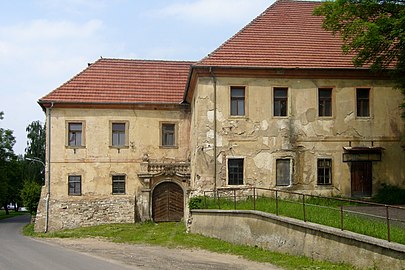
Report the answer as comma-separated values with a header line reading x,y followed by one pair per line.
x,y
324,171
235,171
325,101
237,100
363,102
118,184
283,173
75,185
118,134
280,101
75,132
168,135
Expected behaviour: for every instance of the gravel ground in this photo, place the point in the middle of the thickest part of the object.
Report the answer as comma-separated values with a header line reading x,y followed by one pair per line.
x,y
156,257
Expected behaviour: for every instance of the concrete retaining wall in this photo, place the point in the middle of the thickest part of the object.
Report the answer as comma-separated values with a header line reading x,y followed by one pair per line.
x,y
296,237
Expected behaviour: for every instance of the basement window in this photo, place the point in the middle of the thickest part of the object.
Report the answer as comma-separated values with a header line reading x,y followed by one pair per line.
x,y
118,184
235,171
75,185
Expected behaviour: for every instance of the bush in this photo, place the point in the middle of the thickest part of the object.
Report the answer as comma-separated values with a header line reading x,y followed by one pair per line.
x,y
196,202
388,194
30,194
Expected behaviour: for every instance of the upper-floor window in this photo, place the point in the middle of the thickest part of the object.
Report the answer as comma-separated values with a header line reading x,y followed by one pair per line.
x,y
363,102
235,171
75,134
324,171
118,184
283,172
75,185
168,137
280,103
325,101
237,100
119,134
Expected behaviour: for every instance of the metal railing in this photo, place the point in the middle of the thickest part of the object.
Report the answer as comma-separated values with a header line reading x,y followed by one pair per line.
x,y
278,202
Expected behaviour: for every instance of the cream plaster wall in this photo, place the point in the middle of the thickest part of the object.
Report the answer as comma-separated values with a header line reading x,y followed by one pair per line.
x,y
261,138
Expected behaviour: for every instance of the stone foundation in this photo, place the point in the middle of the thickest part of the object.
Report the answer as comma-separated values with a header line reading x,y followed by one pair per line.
x,y
88,211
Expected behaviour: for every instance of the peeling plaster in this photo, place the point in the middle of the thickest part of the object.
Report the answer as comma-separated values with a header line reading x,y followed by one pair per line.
x,y
263,160
264,125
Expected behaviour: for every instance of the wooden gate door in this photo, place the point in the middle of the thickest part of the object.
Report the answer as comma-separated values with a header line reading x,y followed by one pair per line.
x,y
167,202
361,178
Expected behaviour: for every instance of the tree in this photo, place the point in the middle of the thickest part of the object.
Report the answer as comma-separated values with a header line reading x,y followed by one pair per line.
x,y
371,29
30,194
7,158
36,138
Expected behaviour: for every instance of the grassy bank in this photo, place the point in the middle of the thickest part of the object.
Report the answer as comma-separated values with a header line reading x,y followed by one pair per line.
x,y
317,210
11,214
173,235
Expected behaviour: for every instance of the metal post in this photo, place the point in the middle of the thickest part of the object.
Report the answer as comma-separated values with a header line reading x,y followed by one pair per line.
x,y
254,198
341,217
205,201
276,203
234,199
219,204
388,224
303,205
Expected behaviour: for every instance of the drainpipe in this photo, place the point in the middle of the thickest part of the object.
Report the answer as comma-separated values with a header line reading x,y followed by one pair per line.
x,y
48,194
215,129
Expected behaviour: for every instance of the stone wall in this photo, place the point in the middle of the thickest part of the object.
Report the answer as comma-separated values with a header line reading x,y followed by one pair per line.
x,y
68,214
296,237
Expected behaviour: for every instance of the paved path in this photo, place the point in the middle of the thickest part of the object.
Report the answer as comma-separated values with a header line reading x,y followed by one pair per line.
x,y
18,252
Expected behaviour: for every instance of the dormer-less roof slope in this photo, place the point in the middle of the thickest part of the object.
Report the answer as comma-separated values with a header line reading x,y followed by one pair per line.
x,y
120,81
286,35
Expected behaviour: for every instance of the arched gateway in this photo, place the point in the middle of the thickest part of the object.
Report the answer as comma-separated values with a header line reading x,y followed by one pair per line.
x,y
167,202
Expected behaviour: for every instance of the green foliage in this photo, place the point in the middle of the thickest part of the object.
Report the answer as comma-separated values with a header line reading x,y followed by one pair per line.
x,y
196,202
30,195
174,235
36,138
373,30
388,194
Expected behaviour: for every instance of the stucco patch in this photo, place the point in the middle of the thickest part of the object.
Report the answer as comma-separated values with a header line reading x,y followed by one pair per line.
x,y
263,160
264,125
310,115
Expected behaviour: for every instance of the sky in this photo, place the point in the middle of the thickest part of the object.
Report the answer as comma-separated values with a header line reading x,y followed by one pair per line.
x,y
44,43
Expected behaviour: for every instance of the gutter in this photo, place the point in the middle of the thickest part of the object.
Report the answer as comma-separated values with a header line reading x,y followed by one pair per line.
x,y
49,168
215,128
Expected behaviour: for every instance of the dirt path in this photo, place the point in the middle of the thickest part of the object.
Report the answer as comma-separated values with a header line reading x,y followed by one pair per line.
x,y
155,257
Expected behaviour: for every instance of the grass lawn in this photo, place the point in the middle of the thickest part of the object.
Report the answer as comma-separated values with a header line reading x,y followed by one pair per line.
x,y
12,213
173,235
317,210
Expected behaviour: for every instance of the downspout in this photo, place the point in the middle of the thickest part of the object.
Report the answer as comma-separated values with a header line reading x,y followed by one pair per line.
x,y
49,170
215,129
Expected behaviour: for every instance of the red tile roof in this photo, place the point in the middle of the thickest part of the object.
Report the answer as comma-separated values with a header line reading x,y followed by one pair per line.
x,y
125,81
286,35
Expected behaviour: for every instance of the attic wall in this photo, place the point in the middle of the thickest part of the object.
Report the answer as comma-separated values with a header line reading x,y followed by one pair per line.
x,y
303,136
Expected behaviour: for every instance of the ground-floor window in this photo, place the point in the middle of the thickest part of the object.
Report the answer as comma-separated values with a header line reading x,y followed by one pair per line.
x,y
75,185
235,171
118,184
283,172
324,171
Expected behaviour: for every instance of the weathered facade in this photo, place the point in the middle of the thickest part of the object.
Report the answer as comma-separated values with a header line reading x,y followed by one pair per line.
x,y
130,140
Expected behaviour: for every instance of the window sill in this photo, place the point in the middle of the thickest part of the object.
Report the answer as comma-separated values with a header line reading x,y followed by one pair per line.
x,y
75,195
118,194
168,147
119,146
281,117
75,147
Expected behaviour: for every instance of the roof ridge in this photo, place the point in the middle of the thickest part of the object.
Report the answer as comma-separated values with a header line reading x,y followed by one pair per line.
x,y
147,60
245,27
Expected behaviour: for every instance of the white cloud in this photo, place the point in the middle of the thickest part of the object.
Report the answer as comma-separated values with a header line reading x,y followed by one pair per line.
x,y
214,11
